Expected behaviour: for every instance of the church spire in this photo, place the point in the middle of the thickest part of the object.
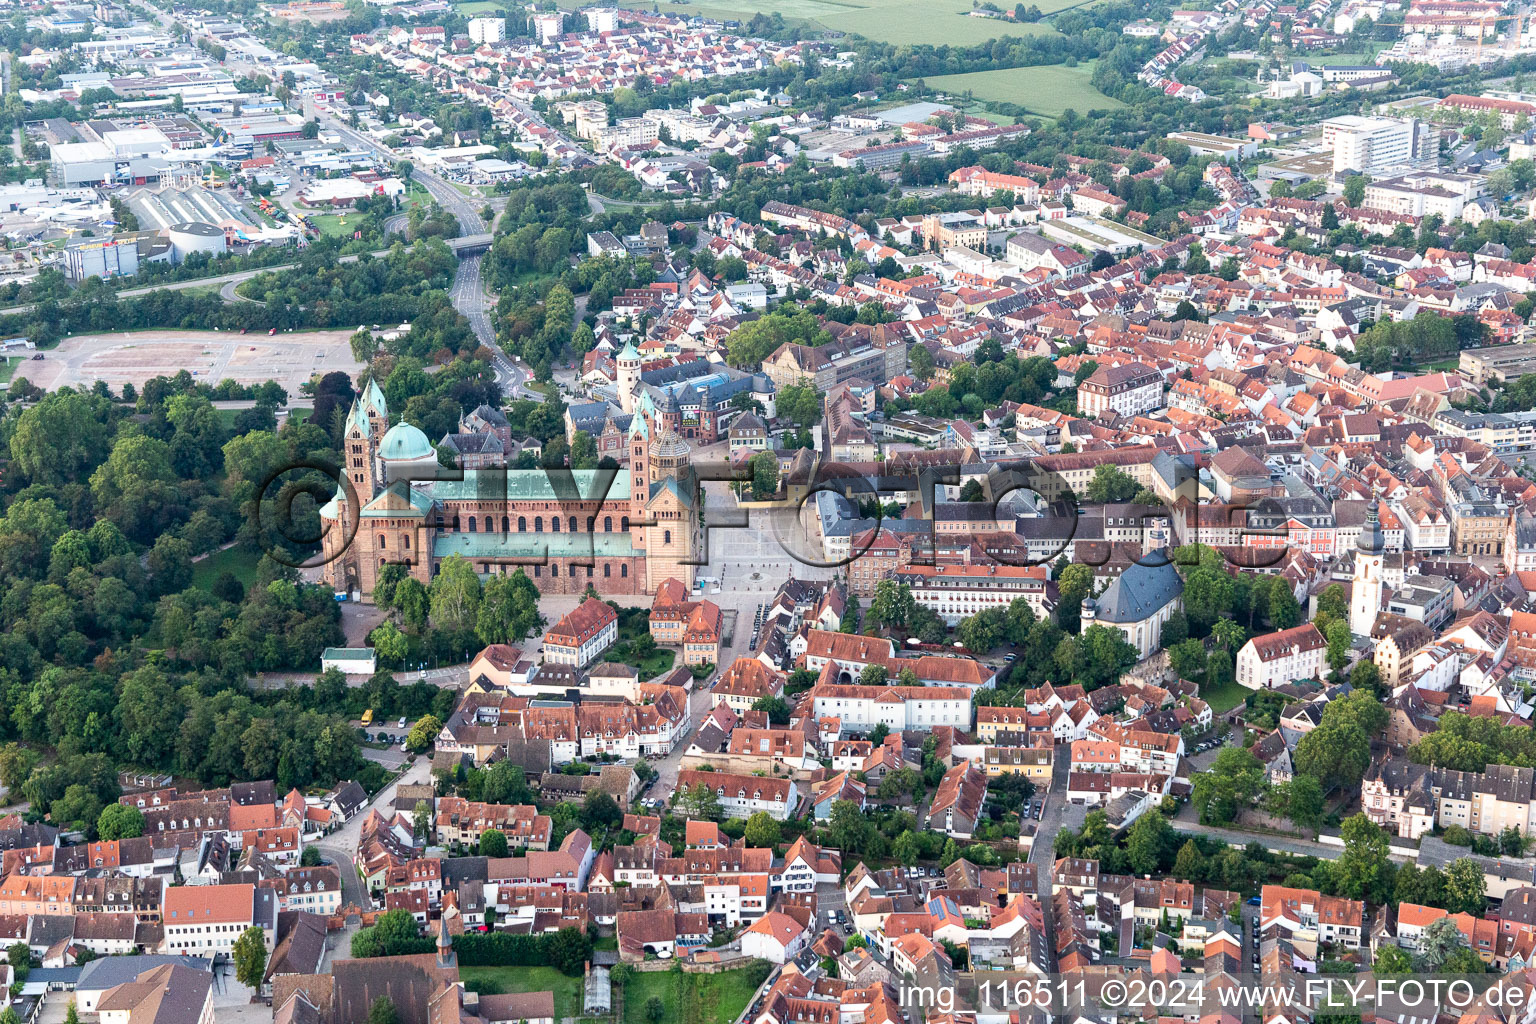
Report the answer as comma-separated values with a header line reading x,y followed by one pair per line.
x,y
445,955
1372,541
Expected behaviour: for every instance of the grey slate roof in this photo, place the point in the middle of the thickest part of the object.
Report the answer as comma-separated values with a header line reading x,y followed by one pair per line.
x,y
350,797
104,972
1146,587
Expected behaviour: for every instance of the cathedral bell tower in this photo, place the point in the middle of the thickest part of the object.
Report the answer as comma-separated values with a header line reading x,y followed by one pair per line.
x,y
359,446
670,513
639,478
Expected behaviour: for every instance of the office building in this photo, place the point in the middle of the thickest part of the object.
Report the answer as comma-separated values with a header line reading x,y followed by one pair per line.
x,y
1369,145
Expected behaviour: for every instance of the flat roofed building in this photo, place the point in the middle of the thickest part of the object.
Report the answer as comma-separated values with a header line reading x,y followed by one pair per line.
x,y
1369,145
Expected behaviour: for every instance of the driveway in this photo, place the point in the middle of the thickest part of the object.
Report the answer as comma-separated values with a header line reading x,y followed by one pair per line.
x,y
390,757
1285,844
1056,814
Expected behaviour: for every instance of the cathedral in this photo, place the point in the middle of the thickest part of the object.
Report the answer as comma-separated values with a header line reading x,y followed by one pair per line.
x,y
624,531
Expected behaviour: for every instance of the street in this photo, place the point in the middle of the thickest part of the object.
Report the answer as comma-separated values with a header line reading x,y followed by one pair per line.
x,y
339,846
468,290
1058,814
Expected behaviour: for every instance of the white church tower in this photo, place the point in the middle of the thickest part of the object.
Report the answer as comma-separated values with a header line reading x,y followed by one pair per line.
x,y
1365,592
628,365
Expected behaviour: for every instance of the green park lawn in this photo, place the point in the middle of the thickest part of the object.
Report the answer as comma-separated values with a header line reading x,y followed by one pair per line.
x,y
1224,698
239,562
633,624
1367,56
688,998
332,225
507,980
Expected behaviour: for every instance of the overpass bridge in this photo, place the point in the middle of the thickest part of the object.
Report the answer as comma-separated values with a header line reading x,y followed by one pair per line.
x,y
470,245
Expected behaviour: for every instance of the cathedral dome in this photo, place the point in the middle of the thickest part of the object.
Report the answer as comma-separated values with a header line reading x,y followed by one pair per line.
x,y
405,443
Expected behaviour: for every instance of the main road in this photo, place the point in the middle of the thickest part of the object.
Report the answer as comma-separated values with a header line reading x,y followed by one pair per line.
x,y
468,292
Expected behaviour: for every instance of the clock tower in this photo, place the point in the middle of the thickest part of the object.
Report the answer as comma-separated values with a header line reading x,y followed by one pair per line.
x,y
1365,591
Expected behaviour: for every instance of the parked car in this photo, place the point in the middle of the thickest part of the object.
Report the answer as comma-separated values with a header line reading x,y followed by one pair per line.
x,y
400,724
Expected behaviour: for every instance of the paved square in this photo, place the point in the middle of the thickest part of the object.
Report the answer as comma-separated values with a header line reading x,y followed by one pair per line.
x,y
289,358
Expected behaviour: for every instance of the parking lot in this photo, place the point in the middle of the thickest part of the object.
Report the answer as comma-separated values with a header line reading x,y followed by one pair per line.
x,y
390,758
289,358
391,732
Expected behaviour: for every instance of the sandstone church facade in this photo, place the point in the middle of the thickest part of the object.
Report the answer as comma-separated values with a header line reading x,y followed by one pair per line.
x,y
624,530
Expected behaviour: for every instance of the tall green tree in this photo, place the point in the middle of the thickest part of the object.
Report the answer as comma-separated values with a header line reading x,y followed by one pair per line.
x,y
1466,887
1234,779
1148,842
119,821
383,1011
250,956
493,843
1364,870
455,594
761,831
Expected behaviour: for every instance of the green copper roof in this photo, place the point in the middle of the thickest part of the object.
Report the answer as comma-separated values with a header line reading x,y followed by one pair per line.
x,y
534,485
404,442
671,484
357,417
629,351
532,546
637,427
396,500
375,397
332,508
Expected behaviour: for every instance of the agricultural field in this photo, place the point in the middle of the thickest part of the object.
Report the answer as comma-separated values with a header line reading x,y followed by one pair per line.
x,y
897,22
1049,90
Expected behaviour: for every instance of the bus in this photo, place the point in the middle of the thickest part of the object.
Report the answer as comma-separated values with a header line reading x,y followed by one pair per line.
x,y
368,717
